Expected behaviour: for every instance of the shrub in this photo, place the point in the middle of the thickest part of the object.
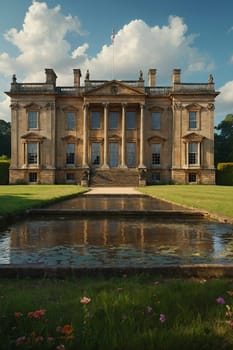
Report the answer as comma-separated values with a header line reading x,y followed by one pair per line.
x,y
224,174
4,171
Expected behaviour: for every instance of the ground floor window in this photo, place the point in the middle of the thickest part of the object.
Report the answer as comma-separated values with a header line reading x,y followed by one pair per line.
x,y
32,177
113,154
193,153
32,153
192,177
95,153
70,154
131,154
155,154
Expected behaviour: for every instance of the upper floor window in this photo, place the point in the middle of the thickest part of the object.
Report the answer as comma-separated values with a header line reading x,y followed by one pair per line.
x,y
33,120
70,120
155,154
192,120
32,153
156,120
70,153
113,120
130,120
95,120
193,153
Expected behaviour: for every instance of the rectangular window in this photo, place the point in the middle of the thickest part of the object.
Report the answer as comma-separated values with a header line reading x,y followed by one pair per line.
x,y
95,153
156,149
113,154
193,153
70,153
70,121
156,120
95,120
131,154
131,120
192,120
32,177
156,177
192,177
32,153
113,120
70,177
32,120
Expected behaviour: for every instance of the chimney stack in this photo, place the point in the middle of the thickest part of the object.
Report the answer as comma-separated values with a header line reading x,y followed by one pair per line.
x,y
77,76
50,76
151,77
176,76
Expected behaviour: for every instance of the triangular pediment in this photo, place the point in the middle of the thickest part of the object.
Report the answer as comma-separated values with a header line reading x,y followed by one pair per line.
x,y
32,106
114,87
193,137
33,136
71,138
194,107
156,139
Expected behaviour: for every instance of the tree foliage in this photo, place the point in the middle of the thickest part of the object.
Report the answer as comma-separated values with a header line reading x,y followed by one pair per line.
x,y
224,140
5,138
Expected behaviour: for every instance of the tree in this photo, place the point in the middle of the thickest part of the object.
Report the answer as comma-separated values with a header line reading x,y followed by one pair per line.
x,y
5,138
223,141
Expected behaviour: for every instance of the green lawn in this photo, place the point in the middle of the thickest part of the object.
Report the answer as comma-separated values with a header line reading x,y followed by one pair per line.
x,y
214,199
16,198
125,312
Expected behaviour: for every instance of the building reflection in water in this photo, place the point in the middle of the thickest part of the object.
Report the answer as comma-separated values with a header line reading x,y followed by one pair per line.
x,y
115,241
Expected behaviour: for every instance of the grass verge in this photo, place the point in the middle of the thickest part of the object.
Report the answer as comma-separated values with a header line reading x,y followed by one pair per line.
x,y
213,199
17,198
130,313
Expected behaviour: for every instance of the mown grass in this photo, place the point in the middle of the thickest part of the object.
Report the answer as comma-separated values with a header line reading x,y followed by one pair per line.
x,y
124,313
17,198
214,199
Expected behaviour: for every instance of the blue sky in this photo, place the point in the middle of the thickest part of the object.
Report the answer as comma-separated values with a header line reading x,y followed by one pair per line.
x,y
195,36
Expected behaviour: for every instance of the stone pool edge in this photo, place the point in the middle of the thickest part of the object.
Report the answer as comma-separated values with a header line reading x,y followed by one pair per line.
x,y
172,271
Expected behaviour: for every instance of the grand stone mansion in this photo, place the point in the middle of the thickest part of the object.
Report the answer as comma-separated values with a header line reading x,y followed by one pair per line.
x,y
112,132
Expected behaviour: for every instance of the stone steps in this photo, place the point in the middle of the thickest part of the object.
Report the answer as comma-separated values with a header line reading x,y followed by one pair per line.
x,y
114,177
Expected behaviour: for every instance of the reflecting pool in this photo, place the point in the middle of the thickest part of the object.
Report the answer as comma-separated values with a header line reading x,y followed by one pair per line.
x,y
115,241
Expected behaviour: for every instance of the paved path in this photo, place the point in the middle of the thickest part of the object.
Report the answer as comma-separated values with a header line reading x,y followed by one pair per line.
x,y
112,190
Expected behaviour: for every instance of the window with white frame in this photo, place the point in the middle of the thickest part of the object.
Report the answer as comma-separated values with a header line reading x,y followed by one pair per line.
x,y
95,120
95,154
113,120
131,120
32,153
70,153
155,154
193,153
192,120
156,120
70,120
33,119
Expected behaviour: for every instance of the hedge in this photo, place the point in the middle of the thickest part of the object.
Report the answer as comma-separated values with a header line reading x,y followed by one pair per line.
x,y
224,174
4,172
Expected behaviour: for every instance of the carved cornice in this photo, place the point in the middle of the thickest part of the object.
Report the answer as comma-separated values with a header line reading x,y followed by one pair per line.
x,y
193,137
70,138
156,139
33,137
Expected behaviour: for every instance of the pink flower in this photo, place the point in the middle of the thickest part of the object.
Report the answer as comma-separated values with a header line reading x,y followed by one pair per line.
x,y
36,314
85,300
148,309
220,300
230,293
21,340
18,314
39,339
162,318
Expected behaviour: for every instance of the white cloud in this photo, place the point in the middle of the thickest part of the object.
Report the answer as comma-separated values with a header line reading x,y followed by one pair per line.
x,y
42,43
224,102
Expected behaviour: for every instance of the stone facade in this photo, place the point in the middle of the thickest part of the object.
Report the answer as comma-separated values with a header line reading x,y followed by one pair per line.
x,y
112,132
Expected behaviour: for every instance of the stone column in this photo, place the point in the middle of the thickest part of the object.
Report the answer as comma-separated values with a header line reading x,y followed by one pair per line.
x,y
105,163
141,152
123,165
85,125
